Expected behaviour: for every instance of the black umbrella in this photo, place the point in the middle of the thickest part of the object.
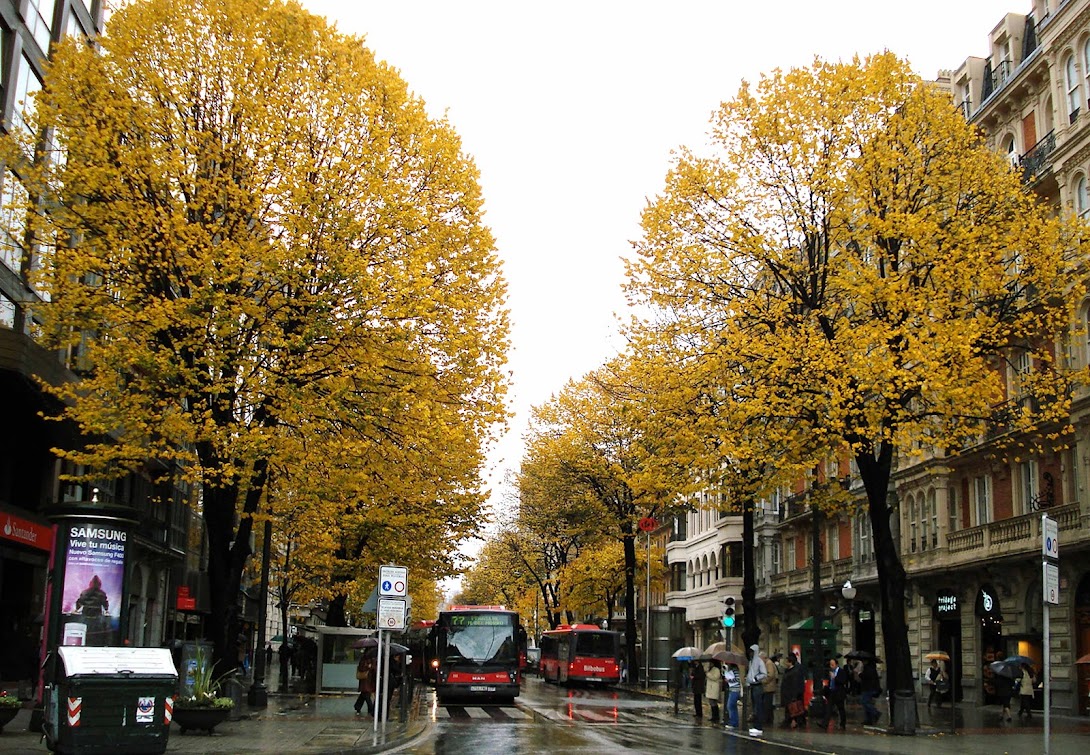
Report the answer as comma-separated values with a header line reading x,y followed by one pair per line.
x,y
1009,670
863,655
372,643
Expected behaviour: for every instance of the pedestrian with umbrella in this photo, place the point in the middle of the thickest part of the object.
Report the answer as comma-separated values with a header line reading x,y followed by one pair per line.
x,y
697,685
792,692
1027,684
713,682
938,681
733,679
871,687
365,676
1004,675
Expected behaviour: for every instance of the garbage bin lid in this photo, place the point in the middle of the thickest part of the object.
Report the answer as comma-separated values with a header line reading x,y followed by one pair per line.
x,y
80,660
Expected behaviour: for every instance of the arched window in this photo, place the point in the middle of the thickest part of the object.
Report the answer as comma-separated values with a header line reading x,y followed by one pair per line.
x,y
1082,200
912,508
1011,151
1071,85
1086,61
933,504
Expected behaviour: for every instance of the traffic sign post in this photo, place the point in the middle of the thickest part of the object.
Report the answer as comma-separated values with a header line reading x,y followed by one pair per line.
x,y
1050,594
393,581
393,590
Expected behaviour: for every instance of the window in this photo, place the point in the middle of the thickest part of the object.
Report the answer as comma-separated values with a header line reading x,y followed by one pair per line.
x,y
27,84
1027,484
1011,151
776,547
1082,201
933,505
790,557
13,202
39,19
832,543
982,499
925,524
912,525
7,312
1071,85
1086,60
952,510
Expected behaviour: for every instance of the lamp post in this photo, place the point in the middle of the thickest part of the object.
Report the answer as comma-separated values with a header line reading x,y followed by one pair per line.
x,y
849,593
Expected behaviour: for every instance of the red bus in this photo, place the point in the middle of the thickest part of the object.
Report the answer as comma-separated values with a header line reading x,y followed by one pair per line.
x,y
581,653
478,652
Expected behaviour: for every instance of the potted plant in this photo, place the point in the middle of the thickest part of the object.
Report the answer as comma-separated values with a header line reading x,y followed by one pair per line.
x,y
9,706
203,708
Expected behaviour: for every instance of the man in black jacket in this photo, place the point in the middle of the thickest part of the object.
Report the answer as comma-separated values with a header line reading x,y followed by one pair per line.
x,y
871,687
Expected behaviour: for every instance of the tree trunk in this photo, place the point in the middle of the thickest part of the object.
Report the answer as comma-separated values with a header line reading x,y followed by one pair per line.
x,y
751,631
630,604
335,615
875,473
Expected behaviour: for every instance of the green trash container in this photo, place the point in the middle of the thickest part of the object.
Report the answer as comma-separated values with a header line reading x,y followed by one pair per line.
x,y
109,700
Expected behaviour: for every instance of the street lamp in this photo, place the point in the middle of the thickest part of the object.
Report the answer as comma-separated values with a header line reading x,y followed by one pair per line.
x,y
849,593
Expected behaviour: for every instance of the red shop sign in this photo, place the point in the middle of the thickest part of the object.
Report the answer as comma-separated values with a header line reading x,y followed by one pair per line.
x,y
24,531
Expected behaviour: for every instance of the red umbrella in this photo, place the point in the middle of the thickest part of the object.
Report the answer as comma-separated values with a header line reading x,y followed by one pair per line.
x,y
1085,659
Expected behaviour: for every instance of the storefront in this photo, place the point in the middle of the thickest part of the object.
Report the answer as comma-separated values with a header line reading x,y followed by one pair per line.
x,y
946,614
992,645
25,543
1082,644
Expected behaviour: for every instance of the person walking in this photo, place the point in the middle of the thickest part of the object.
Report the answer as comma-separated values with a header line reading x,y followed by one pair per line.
x,y
365,674
755,677
1004,690
770,684
837,691
936,679
713,686
733,680
870,687
792,692
1027,685
696,684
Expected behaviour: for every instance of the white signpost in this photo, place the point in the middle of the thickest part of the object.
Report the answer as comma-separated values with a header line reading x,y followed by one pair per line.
x,y
393,589
1050,592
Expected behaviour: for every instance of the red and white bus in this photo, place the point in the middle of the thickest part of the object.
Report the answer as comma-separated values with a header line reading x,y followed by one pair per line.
x,y
479,652
581,653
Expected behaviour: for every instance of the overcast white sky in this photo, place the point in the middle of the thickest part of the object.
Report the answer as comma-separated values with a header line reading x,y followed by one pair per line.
x,y
571,110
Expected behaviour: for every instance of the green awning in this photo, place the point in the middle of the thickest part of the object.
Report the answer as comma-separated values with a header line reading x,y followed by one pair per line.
x,y
808,624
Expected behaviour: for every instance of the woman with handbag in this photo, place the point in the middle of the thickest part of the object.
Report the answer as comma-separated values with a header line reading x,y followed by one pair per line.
x,y
365,674
792,686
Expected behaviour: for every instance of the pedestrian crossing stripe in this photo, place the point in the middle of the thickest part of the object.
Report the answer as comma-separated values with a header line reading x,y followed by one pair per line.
x,y
479,713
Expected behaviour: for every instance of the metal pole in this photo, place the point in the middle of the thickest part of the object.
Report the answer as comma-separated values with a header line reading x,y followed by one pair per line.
x,y
378,681
258,696
1047,672
647,620
953,683
386,686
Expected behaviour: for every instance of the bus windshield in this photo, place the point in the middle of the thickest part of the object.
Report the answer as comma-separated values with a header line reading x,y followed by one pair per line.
x,y
596,644
483,638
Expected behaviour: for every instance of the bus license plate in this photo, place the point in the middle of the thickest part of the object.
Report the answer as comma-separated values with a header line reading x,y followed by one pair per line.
x,y
480,688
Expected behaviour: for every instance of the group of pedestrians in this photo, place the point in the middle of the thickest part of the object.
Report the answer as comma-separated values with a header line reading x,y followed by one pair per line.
x,y
764,678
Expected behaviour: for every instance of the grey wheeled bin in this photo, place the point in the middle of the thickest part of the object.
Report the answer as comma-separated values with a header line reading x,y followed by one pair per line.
x,y
109,700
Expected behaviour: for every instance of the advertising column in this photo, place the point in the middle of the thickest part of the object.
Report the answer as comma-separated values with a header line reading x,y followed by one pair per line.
x,y
93,582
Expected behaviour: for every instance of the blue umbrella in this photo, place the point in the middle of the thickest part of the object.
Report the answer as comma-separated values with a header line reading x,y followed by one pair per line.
x,y
1020,659
687,653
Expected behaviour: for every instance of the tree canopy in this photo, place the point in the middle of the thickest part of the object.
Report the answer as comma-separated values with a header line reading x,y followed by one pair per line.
x,y
849,258
269,257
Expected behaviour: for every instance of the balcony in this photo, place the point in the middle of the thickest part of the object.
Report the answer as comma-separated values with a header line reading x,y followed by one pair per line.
x,y
1020,534
1037,162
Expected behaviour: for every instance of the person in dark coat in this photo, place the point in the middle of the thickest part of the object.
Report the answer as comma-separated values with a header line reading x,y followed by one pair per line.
x,y
365,673
1004,689
870,686
837,691
696,684
792,689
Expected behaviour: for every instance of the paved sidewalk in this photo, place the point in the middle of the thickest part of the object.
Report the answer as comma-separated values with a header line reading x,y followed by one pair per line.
x,y
292,723
979,732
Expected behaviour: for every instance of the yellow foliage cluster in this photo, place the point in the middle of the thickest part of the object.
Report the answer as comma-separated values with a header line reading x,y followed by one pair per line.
x,y
274,266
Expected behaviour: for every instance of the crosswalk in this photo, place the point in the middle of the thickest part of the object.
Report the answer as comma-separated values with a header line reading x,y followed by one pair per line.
x,y
514,714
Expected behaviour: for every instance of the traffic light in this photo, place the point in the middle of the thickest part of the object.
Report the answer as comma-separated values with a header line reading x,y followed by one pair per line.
x,y
728,611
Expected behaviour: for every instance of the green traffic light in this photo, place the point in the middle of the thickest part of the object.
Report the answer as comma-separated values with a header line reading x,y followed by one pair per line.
x,y
728,621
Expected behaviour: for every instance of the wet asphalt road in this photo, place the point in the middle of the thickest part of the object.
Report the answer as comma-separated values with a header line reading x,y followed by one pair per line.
x,y
551,719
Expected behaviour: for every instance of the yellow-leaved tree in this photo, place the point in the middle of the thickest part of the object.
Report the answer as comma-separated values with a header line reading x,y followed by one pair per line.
x,y
848,254
266,250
